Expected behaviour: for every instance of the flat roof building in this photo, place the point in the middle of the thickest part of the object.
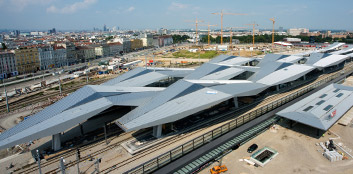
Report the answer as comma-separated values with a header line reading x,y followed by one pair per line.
x,y
322,109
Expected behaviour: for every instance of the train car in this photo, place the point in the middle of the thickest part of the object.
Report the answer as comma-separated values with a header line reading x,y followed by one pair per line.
x,y
127,65
53,81
78,74
36,87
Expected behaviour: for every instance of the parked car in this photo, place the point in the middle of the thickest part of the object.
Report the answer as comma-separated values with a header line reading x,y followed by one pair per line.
x,y
252,148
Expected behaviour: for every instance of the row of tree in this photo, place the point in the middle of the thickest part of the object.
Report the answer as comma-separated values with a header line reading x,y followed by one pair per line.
x,y
268,39
179,39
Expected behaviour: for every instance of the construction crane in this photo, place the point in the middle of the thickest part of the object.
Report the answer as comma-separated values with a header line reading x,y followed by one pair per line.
x,y
221,14
231,34
273,33
196,23
253,33
208,25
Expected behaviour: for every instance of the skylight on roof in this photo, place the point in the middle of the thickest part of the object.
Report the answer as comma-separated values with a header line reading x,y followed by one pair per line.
x,y
323,95
320,102
339,95
328,107
336,90
308,108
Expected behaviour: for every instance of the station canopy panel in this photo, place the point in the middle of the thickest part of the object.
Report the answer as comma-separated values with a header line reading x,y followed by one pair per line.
x,y
185,92
322,109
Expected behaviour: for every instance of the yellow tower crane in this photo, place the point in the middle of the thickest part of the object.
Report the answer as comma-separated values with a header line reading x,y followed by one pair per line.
x,y
253,33
273,33
221,14
231,35
208,25
196,23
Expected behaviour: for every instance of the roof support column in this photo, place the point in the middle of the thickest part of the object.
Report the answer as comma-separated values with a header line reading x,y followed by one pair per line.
x,y
304,77
236,104
157,131
318,132
277,87
81,130
56,142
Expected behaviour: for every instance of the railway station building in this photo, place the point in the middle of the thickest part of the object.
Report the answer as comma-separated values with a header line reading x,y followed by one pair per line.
x,y
155,97
322,109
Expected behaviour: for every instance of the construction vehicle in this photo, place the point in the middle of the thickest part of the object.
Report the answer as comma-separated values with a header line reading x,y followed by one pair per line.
x,y
218,169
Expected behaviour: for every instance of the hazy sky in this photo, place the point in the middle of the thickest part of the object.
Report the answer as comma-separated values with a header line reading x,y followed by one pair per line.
x,y
153,14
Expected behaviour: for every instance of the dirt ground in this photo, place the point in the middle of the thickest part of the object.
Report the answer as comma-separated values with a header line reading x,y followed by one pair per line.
x,y
297,152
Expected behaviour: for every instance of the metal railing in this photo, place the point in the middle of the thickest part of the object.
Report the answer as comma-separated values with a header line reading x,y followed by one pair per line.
x,y
164,159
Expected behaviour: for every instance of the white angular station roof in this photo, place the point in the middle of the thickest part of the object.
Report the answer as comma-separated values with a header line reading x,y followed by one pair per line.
x,y
219,80
320,60
322,109
86,103
332,47
210,85
344,51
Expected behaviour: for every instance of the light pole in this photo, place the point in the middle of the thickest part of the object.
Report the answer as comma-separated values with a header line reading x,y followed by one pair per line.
x,y
7,101
87,73
146,61
62,165
78,156
38,160
60,86
154,64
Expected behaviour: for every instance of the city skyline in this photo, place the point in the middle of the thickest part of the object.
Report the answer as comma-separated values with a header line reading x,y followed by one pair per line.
x,y
87,14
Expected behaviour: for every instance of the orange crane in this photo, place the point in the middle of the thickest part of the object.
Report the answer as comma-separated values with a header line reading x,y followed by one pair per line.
x,y
209,41
253,33
231,35
273,33
221,14
196,23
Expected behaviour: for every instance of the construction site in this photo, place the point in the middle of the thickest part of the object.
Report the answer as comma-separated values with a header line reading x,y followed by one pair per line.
x,y
188,108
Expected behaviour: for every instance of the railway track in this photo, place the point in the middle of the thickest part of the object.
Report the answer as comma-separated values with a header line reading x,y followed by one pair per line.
x,y
68,153
169,141
33,99
265,102
166,142
173,139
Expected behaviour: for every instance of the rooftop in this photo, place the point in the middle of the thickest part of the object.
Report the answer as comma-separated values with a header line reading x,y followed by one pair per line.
x,y
322,109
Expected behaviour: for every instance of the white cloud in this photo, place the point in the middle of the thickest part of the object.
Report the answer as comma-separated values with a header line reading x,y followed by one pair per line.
x,y
177,6
19,5
130,9
72,8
